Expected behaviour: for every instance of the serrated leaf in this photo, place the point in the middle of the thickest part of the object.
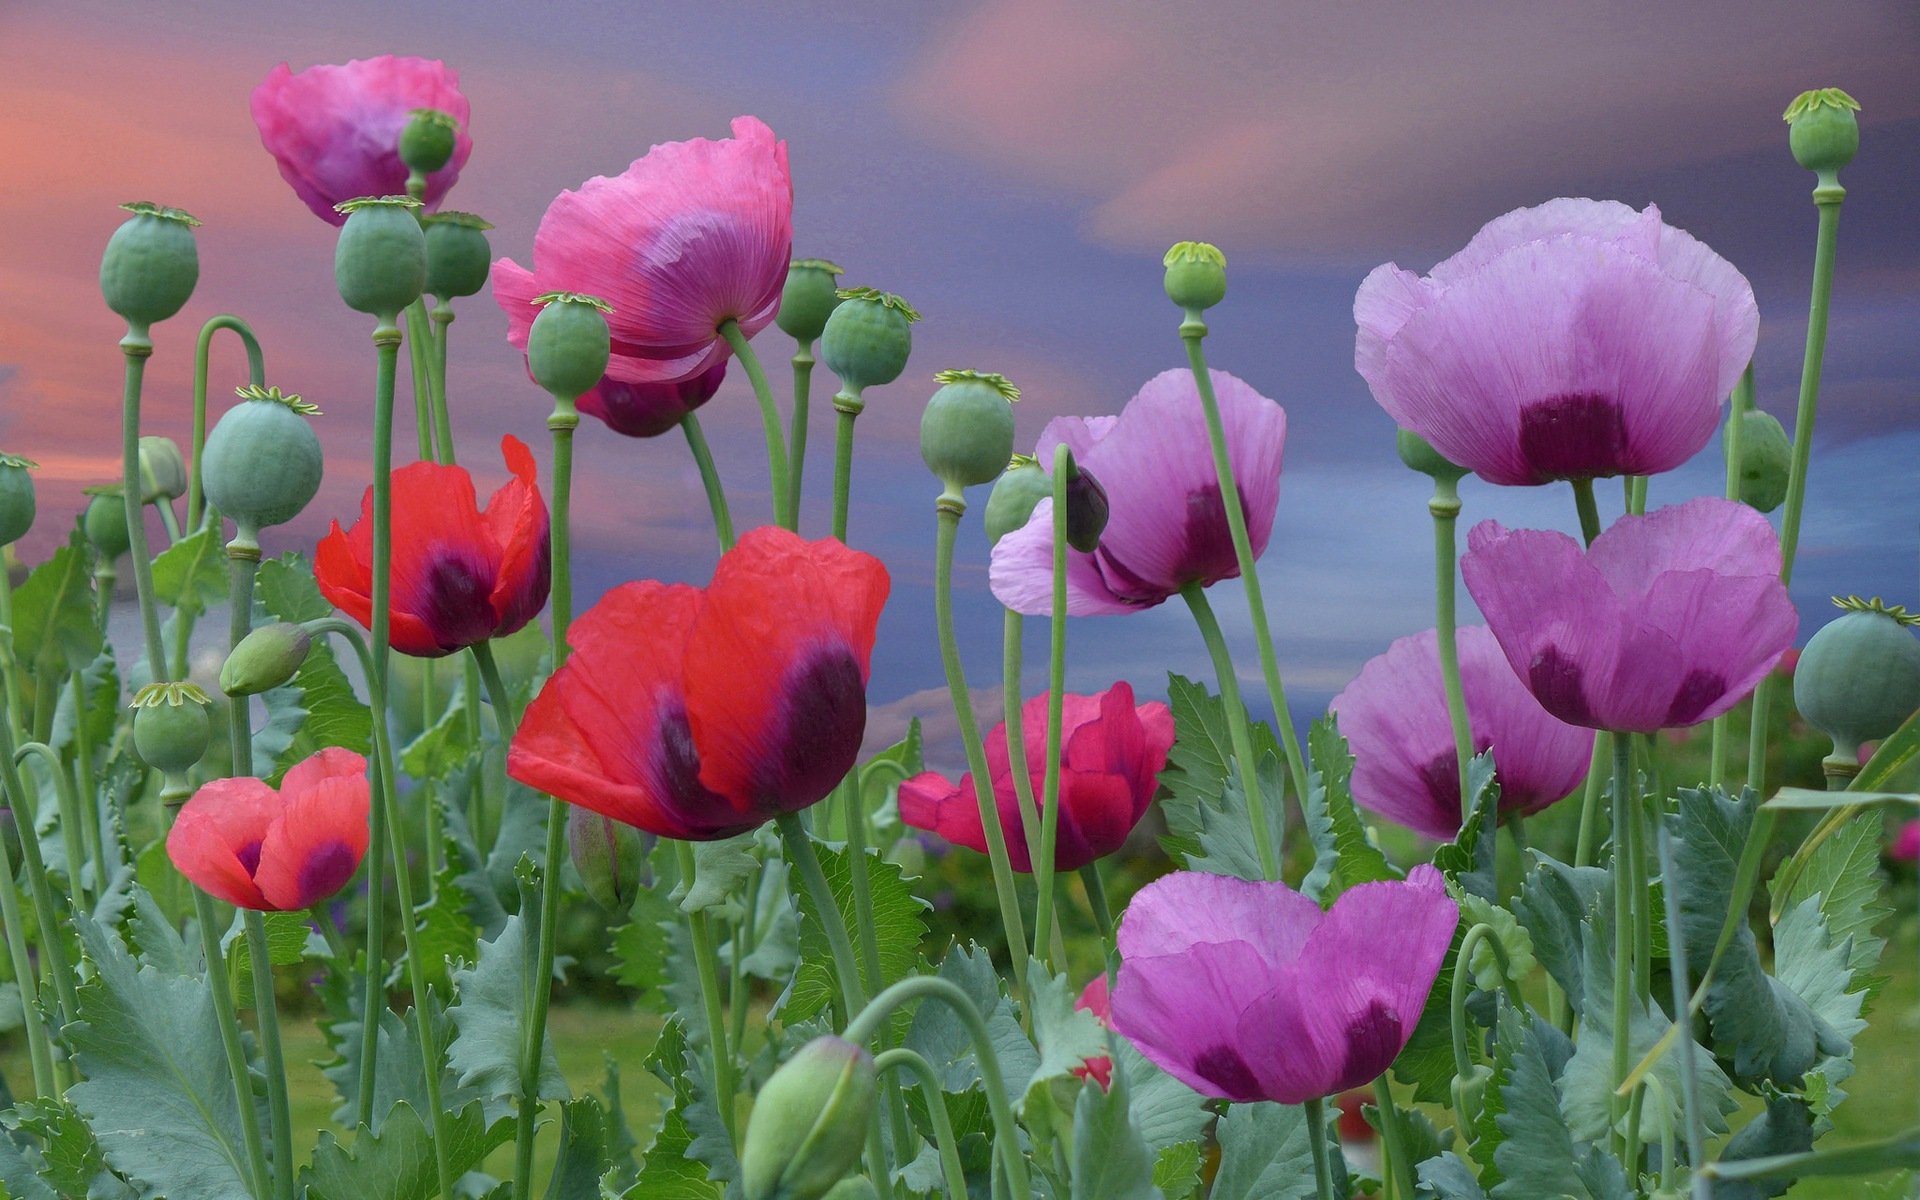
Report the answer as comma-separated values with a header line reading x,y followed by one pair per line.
x,y
285,587
1208,820
1447,1177
1167,1111
1784,1127
640,948
441,747
583,1156
100,681
1426,1062
939,1036
398,1162
191,574
1344,855
897,929
1176,1170
444,929
1488,973
1844,872
1264,1154
1536,1150
1110,1158
288,935
1554,900
1468,859
719,869
69,1157
53,610
1066,1036
491,1017
667,1173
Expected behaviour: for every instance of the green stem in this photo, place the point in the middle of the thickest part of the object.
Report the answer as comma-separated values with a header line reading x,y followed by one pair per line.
x,y
1589,510
769,418
168,521
1445,508
1623,819
706,965
38,1050
1677,962
243,562
797,426
843,459
1588,844
1102,915
709,479
46,915
1316,1114
71,821
933,1090
11,682
442,316
256,375
266,1009
238,1072
419,350
1394,1163
1011,702
1238,731
853,805
137,349
948,511
1043,866
1736,411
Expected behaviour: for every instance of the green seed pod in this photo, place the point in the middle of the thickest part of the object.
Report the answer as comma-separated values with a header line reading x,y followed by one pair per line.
x,y
1196,278
966,432
809,1122
809,299
151,265
380,259
1766,458
427,143
1086,509
17,504
170,726
262,462
1859,677
1822,131
568,346
1021,486
265,658
1419,455
458,254
866,342
163,470
609,855
853,1187
105,521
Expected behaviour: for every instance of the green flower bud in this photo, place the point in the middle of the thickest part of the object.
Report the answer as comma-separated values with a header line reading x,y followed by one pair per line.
x,y
458,254
866,342
609,855
1859,677
17,504
568,346
1420,456
105,521
427,143
1020,487
1766,458
265,658
809,299
163,470
1822,131
380,259
853,1187
1086,509
262,462
966,432
151,265
1196,277
170,726
809,1122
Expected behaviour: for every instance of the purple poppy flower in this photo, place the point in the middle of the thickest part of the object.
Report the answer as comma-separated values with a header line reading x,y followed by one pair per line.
x,y
1166,526
1394,715
1666,620
1573,340
644,410
1247,991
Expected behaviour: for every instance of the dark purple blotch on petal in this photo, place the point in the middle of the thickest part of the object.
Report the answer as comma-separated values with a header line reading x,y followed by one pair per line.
x,y
1579,435
1698,692
458,600
1373,1040
825,702
1223,1067
1442,776
1555,681
328,867
249,856
674,771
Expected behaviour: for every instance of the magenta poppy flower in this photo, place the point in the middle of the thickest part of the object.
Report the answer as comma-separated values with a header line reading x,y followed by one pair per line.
x,y
276,850
691,235
1573,340
335,130
1247,991
1394,716
1668,619
644,410
1111,753
1906,843
1166,526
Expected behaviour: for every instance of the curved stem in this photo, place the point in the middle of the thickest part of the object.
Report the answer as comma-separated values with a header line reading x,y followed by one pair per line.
x,y
266,1008
1043,866
709,479
1238,732
46,915
797,427
71,821
137,349
256,375
237,1070
1316,1114
1445,508
769,419
843,460
933,1090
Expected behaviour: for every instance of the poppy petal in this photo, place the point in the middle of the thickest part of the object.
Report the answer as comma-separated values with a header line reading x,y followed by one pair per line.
x,y
217,838
516,520
316,843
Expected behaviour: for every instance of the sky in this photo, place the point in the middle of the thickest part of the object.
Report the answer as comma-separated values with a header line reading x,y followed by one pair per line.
x,y
1015,168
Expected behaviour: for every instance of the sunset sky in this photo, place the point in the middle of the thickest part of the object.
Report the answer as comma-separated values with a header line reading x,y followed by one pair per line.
x,y
1015,168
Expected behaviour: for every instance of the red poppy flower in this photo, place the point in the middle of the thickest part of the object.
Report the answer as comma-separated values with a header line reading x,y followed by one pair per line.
x,y
460,575
277,851
1096,1000
702,713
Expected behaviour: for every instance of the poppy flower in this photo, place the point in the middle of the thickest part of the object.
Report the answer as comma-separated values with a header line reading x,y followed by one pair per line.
x,y
700,713
693,234
1394,716
1247,991
1111,753
1572,340
644,410
1906,843
1094,999
461,575
1166,526
335,129
276,850
1668,619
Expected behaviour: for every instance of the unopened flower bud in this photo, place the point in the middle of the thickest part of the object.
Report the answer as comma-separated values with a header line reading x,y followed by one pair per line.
x,y
608,854
1766,458
458,254
809,299
866,342
1822,131
427,142
170,726
105,521
1859,677
1196,277
265,658
262,462
1419,455
380,259
568,346
151,265
163,471
1020,487
853,1187
966,432
17,504
1086,509
809,1122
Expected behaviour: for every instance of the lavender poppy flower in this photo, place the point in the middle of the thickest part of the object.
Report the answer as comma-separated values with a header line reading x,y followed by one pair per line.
x,y
1166,526
1573,340
1247,991
1667,619
1405,768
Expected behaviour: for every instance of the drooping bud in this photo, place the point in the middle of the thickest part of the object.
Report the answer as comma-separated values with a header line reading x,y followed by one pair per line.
x,y
17,504
809,1122
458,254
568,346
170,726
1859,677
151,265
1021,486
966,432
262,462
1766,458
809,298
105,521
1196,278
866,342
1086,508
1822,131
427,142
163,470
609,855
1419,455
380,259
265,658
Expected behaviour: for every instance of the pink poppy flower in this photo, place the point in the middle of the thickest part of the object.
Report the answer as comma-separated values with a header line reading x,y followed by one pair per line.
x,y
1573,340
644,410
276,850
1667,619
1095,999
1906,844
1110,760
335,130
691,235
1247,991
1166,526
1394,716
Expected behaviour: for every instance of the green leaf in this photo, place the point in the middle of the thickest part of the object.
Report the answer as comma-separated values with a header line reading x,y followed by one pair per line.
x,y
101,682
1536,1149
288,938
897,929
940,1037
1552,906
69,1158
1426,1062
53,611
1344,854
1844,872
317,708
1264,1154
1809,800
1485,964
1208,821
441,747
444,929
491,1017
1448,1177
583,1156
191,574
1901,1151
669,1172
397,1163
640,947
719,869
1468,859
1176,1170
1785,1127
1067,1036
1167,1111
284,586
1110,1158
